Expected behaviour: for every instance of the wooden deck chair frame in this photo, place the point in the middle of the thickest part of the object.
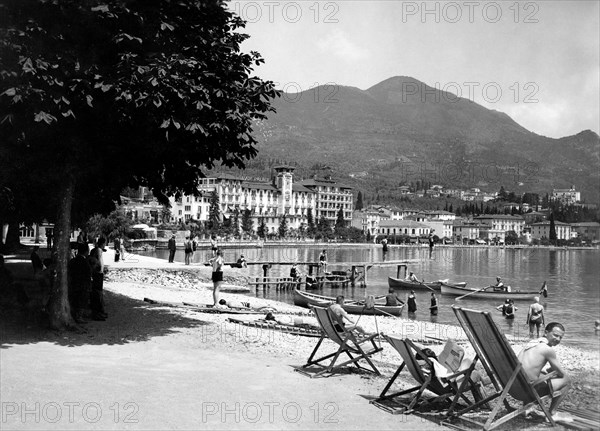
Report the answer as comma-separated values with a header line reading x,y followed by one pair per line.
x,y
426,381
348,344
503,367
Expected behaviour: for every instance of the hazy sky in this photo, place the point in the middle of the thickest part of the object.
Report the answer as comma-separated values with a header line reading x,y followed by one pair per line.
x,y
537,61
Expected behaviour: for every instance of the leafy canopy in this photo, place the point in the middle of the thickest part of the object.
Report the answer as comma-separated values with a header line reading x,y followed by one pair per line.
x,y
114,93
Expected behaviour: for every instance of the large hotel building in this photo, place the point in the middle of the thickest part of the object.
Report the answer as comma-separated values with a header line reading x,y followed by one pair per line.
x,y
268,201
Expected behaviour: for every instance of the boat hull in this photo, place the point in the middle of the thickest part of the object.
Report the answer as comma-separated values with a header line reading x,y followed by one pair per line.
x,y
305,299
399,283
448,289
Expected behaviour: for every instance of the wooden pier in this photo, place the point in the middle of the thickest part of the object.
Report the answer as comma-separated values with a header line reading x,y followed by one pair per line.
x,y
355,273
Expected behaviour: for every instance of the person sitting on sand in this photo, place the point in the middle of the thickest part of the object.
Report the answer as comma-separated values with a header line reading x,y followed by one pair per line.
x,y
536,355
597,326
341,316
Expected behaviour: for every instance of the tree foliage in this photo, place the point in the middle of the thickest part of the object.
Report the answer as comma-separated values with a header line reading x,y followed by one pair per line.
x,y
311,229
261,231
214,212
247,223
359,202
110,226
283,226
87,85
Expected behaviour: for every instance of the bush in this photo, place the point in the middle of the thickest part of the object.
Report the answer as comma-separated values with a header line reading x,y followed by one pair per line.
x,y
135,234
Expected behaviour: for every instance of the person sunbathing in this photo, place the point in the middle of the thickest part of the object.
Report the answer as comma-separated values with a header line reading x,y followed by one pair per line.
x,y
536,355
341,317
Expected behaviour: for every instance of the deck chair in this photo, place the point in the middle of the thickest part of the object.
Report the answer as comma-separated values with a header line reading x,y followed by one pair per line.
x,y
349,344
503,367
444,388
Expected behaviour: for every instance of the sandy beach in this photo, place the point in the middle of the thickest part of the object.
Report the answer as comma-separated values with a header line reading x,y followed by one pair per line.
x,y
166,367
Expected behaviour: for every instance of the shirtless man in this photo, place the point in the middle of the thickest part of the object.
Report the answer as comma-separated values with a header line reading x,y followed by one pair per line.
x,y
341,315
534,357
535,316
391,299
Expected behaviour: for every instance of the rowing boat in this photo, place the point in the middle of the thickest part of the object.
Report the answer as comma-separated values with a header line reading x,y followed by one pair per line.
x,y
306,299
488,292
400,283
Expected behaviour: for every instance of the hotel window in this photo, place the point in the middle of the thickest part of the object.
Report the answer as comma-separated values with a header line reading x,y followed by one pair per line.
x,y
188,208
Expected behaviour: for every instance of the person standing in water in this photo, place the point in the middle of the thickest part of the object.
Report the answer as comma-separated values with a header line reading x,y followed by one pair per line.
x,y
412,302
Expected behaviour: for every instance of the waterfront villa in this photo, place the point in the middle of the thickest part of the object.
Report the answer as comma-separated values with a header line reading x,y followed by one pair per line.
x,y
403,227
541,230
587,231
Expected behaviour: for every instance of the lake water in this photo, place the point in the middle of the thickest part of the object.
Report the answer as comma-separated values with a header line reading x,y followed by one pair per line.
x,y
572,276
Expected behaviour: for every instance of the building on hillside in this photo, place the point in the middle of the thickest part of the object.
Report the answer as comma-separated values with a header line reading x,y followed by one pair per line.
x,y
566,196
510,206
267,201
394,213
368,220
403,227
541,230
404,190
437,215
534,217
454,193
587,231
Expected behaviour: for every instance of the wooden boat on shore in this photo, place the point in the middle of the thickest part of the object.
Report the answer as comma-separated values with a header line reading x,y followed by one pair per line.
x,y
400,283
487,292
306,299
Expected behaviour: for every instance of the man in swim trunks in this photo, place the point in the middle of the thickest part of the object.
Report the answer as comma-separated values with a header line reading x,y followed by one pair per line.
x,y
341,315
535,316
537,354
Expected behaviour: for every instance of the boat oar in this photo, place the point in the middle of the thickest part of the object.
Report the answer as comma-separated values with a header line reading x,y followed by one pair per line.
x,y
470,293
420,282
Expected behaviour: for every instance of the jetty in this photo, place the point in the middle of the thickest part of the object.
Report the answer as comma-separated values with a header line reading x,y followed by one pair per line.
x,y
353,273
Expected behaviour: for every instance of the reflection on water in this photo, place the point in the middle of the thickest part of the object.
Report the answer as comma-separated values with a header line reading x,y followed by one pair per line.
x,y
572,276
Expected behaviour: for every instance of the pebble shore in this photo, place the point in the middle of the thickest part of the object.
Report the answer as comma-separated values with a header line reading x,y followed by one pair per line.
x,y
194,285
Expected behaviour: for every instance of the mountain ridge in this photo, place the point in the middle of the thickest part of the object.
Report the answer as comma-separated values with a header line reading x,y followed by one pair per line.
x,y
403,118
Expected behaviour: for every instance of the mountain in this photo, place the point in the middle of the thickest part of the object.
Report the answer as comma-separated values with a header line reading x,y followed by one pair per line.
x,y
403,130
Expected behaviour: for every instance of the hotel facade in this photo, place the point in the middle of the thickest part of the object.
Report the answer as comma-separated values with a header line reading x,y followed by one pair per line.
x,y
268,201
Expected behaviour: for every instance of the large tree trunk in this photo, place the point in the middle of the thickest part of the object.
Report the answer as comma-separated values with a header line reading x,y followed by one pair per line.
x,y
58,306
